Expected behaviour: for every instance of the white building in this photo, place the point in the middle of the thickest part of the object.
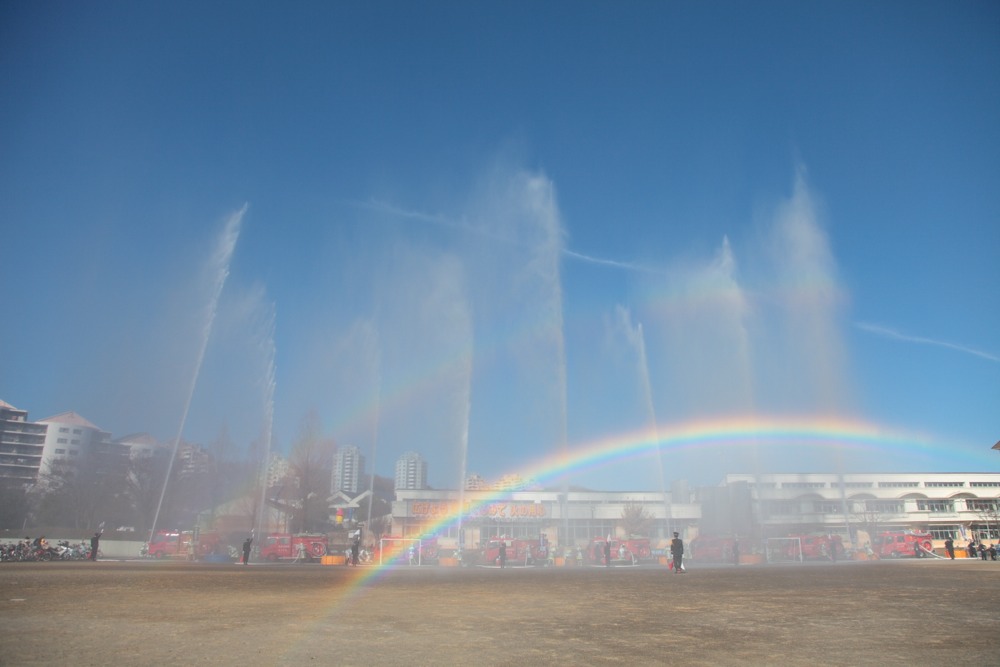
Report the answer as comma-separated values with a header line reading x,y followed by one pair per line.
x,y
72,438
21,446
411,471
348,468
956,505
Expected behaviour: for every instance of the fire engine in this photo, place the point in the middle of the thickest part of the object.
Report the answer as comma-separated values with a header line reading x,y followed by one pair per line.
x,y
395,549
623,552
285,546
519,551
894,544
706,549
182,544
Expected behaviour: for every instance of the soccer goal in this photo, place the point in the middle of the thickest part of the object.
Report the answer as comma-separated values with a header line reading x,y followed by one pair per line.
x,y
784,550
399,550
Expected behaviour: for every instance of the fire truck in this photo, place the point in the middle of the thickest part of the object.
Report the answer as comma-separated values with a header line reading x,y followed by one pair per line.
x,y
285,546
707,549
519,551
182,544
623,552
395,549
895,544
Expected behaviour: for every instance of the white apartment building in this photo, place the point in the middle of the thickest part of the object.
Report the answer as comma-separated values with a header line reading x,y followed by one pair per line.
x,y
348,467
411,471
22,444
73,438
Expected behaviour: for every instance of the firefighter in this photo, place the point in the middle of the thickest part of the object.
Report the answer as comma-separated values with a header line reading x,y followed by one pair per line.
x,y
246,549
677,551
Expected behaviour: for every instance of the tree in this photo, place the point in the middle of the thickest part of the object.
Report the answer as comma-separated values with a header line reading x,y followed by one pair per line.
x,y
13,505
311,463
635,520
80,494
868,516
988,511
379,527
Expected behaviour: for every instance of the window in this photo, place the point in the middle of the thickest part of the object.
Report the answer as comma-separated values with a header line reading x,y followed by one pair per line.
x,y
935,505
884,506
984,483
943,484
61,441
858,485
772,507
827,507
60,451
977,505
897,485
77,431
63,429
944,532
73,452
803,485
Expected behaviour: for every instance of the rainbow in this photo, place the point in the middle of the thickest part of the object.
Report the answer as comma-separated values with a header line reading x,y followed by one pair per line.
x,y
735,431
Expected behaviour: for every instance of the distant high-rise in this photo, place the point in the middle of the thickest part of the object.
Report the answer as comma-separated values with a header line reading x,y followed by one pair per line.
x,y
72,439
476,482
348,467
411,471
21,446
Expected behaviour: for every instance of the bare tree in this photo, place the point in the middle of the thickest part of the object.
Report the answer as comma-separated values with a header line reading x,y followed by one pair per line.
x,y
868,516
636,520
988,511
311,464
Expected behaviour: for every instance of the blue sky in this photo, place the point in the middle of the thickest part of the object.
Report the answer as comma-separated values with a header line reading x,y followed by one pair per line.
x,y
459,215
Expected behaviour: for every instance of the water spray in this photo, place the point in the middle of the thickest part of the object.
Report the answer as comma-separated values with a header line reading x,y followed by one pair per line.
x,y
220,262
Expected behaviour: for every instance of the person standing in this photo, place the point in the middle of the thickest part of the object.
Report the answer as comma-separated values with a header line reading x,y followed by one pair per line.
x,y
949,546
677,551
736,552
607,553
95,542
503,554
246,550
355,549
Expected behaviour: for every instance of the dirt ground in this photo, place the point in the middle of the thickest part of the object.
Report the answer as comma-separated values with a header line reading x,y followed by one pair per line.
x,y
145,613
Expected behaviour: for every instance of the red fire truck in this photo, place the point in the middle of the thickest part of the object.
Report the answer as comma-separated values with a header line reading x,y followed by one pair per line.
x,y
519,551
623,552
285,546
707,549
895,544
395,549
182,544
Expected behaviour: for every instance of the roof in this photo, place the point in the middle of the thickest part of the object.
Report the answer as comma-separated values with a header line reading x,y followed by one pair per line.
x,y
69,418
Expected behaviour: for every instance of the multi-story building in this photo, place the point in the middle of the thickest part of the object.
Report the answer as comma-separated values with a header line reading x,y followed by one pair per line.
x,y
22,444
962,506
957,505
145,446
567,519
411,471
348,468
72,439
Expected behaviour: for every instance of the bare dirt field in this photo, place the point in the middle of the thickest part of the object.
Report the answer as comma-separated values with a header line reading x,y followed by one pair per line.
x,y
145,613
